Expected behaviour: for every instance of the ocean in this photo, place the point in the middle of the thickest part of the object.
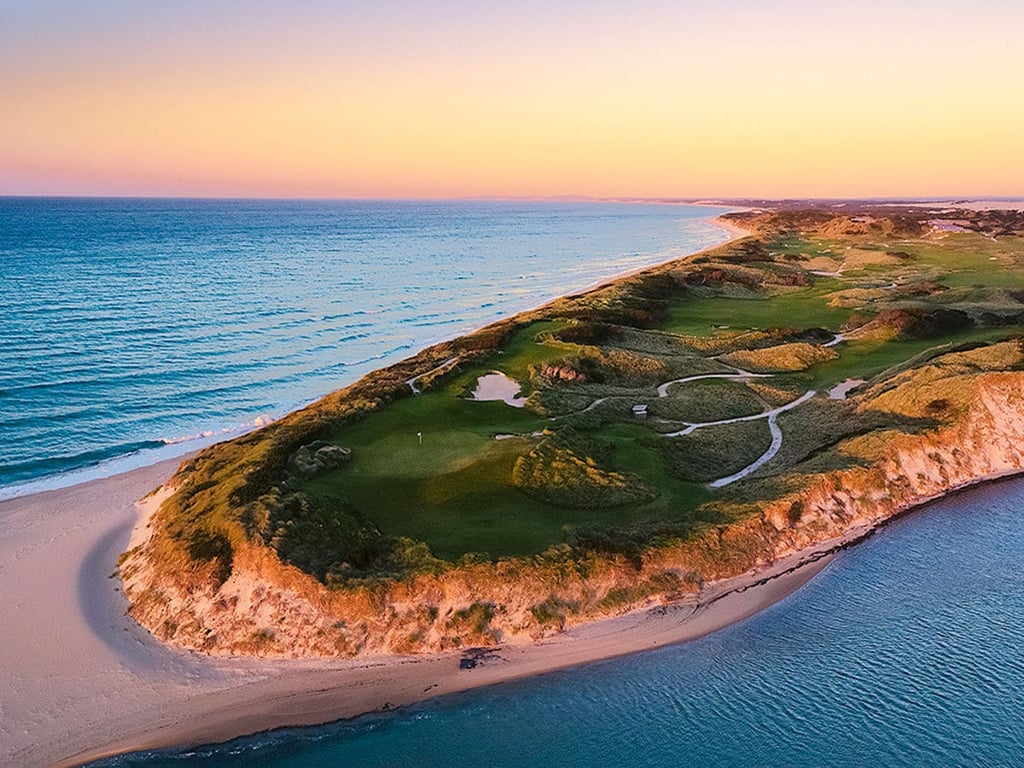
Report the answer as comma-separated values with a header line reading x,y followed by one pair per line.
x,y
134,330
905,651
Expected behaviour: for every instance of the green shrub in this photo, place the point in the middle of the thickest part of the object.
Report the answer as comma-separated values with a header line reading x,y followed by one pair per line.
x,y
566,470
475,619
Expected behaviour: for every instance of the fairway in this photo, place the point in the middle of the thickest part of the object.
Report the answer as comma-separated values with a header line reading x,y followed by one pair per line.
x,y
447,471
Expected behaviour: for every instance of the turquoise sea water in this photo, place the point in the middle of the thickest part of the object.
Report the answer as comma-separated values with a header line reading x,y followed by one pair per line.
x,y
134,330
908,650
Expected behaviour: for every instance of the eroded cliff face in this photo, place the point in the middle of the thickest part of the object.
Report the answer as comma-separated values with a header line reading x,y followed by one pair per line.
x,y
267,608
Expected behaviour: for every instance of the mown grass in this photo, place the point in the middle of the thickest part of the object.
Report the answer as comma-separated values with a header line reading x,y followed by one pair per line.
x,y
797,307
866,359
972,259
457,491
638,450
527,347
454,490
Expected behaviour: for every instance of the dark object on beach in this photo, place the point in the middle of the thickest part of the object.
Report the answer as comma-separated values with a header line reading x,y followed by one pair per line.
x,y
475,657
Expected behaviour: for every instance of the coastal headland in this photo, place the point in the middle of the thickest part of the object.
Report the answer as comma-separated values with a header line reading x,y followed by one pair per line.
x,y
677,449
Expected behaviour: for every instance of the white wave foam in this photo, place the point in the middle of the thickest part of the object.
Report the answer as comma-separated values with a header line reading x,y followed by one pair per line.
x,y
234,429
172,448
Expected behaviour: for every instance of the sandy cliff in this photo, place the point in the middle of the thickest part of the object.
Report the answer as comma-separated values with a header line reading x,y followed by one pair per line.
x,y
267,608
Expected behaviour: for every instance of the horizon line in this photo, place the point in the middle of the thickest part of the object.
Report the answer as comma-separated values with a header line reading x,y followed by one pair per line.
x,y
667,199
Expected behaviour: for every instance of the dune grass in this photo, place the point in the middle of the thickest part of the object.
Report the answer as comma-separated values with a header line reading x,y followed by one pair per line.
x,y
711,453
706,400
866,359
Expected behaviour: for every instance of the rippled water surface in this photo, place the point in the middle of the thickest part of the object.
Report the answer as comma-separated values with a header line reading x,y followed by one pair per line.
x,y
908,650
132,326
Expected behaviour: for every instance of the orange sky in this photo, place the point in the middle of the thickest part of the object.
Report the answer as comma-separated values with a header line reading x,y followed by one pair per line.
x,y
315,99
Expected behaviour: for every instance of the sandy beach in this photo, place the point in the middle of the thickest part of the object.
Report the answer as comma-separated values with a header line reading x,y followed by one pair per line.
x,y
81,680
734,231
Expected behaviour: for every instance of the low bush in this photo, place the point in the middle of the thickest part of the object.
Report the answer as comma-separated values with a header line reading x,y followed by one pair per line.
x,y
566,470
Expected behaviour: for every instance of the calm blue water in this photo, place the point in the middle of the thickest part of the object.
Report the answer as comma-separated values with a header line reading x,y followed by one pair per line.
x,y
908,650
150,327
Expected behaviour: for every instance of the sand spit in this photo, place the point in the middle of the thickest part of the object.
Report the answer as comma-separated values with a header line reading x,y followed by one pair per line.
x,y
74,665
79,679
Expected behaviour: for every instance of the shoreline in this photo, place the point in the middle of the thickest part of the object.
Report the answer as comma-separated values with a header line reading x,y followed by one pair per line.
x,y
226,698
158,697
87,682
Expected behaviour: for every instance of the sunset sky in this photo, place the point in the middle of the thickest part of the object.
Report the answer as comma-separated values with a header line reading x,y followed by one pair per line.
x,y
451,99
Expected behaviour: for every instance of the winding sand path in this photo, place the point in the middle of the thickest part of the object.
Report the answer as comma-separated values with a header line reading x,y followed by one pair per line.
x,y
412,382
770,415
773,449
740,375
79,679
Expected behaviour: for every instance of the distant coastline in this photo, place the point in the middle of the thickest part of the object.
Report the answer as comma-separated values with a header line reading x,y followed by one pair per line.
x,y
108,447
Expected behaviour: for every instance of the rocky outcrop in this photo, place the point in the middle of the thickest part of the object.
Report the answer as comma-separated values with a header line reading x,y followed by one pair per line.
x,y
271,609
550,373
315,459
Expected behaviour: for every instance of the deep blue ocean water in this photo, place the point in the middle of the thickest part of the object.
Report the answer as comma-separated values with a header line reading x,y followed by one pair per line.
x,y
133,330
907,650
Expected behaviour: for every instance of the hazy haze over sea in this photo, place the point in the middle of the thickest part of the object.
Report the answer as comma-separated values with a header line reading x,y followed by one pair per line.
x,y
137,329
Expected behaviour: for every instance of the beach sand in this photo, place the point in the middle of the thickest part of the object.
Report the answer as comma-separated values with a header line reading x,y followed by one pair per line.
x,y
734,231
81,680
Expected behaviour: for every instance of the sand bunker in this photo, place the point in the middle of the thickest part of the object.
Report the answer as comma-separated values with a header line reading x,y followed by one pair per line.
x,y
497,386
839,391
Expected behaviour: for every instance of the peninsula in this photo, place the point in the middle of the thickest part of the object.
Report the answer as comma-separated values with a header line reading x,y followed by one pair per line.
x,y
630,447
629,467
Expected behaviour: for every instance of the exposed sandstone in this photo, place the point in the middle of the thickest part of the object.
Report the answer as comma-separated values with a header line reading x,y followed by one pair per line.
x,y
560,372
